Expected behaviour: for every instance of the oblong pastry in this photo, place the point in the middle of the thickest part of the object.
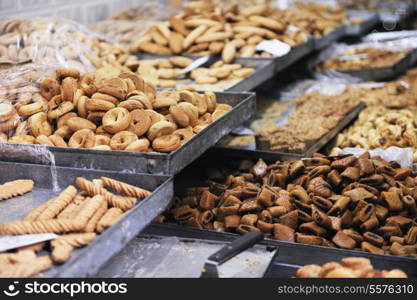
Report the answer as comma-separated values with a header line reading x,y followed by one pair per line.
x,y
77,123
15,188
160,128
30,109
141,145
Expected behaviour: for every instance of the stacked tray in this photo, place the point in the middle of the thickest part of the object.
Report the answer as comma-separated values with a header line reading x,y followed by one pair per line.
x,y
85,261
141,162
375,74
290,256
370,21
311,149
327,40
264,70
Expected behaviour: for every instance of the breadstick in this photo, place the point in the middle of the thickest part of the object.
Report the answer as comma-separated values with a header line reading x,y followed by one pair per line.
x,y
124,203
72,207
111,217
58,204
125,188
27,269
216,36
41,226
36,212
35,247
15,188
62,246
89,209
92,223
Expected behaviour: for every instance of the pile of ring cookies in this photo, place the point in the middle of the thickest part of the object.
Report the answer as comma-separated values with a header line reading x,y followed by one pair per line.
x,y
349,267
121,113
357,203
76,216
165,73
380,127
362,58
63,42
206,29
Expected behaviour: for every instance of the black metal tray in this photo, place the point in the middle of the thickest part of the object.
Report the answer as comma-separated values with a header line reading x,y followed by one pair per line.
x,y
376,74
313,148
85,261
140,162
290,256
370,21
324,41
264,70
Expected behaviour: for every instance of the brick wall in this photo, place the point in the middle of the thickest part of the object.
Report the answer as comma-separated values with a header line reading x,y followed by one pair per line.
x,y
84,11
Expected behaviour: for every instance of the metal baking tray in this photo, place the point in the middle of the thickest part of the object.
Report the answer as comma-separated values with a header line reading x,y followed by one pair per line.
x,y
290,256
311,149
324,41
398,12
140,162
370,21
264,70
85,261
376,74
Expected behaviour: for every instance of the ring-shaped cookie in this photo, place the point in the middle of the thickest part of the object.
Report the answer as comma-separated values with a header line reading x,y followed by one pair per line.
x,y
166,143
49,88
160,128
6,111
60,110
98,104
77,123
122,139
39,124
62,120
141,122
83,138
30,109
116,119
68,88
141,145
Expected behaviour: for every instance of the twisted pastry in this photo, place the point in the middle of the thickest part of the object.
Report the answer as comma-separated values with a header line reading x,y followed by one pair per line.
x,y
26,269
72,207
124,203
92,223
110,217
15,188
125,188
42,226
89,208
56,205
62,246
36,212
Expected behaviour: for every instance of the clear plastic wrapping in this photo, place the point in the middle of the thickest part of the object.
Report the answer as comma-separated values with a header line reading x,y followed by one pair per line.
x,y
60,42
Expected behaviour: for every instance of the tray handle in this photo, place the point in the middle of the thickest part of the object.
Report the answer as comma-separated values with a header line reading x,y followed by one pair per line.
x,y
234,248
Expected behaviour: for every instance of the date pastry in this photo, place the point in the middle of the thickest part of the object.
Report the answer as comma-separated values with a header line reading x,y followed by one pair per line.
x,y
15,188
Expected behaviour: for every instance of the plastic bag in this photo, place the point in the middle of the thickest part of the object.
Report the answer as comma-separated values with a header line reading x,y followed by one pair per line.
x,y
67,44
404,156
149,11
